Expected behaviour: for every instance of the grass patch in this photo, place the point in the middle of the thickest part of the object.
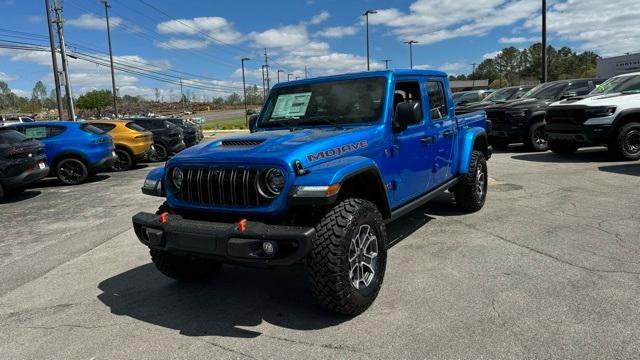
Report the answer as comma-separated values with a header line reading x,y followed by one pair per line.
x,y
226,124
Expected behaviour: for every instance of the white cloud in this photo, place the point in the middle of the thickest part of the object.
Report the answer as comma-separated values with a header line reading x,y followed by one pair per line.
x,y
34,19
609,28
453,68
517,40
287,36
338,31
321,17
174,43
94,22
6,77
213,27
21,93
430,21
491,55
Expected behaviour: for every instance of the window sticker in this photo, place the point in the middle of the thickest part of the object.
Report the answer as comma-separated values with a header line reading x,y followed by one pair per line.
x,y
38,132
291,105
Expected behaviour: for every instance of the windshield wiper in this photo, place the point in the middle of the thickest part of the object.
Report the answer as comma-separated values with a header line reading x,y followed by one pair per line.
x,y
325,119
290,124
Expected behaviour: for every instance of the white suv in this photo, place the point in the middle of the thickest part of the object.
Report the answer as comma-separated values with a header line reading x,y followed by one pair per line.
x,y
13,119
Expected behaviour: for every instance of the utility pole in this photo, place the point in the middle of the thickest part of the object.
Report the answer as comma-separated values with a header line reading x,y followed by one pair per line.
x,y
63,57
264,89
411,42
266,66
366,16
54,59
113,77
279,71
386,63
244,91
182,97
289,77
473,76
544,41
306,73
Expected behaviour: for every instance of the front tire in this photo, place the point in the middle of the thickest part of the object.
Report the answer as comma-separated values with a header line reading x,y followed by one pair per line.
x,y
349,257
627,142
183,268
124,161
159,154
471,191
563,147
536,139
71,171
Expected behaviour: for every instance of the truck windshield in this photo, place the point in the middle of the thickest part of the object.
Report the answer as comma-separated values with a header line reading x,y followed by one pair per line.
x,y
334,102
621,84
547,91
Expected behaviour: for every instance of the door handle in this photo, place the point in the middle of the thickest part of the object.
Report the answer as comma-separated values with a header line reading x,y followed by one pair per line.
x,y
448,133
426,140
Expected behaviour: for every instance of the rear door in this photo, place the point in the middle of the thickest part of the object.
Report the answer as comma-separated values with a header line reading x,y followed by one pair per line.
x,y
441,129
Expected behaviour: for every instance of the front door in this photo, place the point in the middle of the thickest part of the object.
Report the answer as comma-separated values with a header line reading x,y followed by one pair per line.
x,y
441,128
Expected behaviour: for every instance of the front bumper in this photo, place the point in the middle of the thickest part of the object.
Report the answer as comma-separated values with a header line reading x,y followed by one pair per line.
x,y
583,135
224,241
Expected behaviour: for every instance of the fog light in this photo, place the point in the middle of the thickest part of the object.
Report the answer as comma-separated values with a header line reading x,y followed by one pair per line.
x,y
269,248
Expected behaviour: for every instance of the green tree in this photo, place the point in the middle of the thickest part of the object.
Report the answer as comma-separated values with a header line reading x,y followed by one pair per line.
x,y
234,99
38,94
95,100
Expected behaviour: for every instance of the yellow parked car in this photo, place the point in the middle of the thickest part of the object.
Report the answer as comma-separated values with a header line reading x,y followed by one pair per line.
x,y
131,140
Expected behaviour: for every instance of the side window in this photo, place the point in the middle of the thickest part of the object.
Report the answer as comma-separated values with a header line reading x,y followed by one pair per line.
x,y
579,87
407,91
34,132
437,100
55,130
104,127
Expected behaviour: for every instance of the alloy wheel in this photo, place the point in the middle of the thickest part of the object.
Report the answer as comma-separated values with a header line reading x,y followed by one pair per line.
x,y
540,136
122,163
481,181
71,171
632,142
363,257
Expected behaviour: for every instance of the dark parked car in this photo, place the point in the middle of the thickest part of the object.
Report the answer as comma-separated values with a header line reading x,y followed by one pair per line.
x,y
167,138
191,135
498,97
523,120
468,97
22,161
75,150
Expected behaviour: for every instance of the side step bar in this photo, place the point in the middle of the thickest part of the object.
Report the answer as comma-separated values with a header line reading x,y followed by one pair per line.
x,y
414,204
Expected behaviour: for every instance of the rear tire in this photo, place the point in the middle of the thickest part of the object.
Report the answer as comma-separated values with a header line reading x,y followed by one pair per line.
x,y
183,268
563,147
627,142
536,139
71,171
159,154
124,162
471,191
348,260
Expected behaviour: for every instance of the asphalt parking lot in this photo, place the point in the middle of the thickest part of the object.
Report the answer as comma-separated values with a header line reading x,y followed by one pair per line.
x,y
548,269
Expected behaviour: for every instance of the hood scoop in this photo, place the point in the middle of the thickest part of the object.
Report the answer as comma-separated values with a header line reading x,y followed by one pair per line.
x,y
241,142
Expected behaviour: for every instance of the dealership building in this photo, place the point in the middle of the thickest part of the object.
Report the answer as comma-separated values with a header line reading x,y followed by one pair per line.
x,y
617,65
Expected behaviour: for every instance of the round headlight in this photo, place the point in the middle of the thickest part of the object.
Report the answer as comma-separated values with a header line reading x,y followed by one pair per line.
x,y
176,178
273,182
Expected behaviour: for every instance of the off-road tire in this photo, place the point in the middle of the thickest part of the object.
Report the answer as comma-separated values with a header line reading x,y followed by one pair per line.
x,y
159,156
328,263
78,165
536,137
124,162
624,145
467,190
562,147
183,268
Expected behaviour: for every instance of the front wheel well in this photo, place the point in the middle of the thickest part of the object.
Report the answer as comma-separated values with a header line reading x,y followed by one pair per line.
x,y
624,120
481,143
367,185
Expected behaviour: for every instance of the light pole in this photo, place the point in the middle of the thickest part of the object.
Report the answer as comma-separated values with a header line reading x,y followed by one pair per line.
x,y
386,63
544,41
279,71
411,42
113,77
289,77
54,60
473,76
244,91
366,16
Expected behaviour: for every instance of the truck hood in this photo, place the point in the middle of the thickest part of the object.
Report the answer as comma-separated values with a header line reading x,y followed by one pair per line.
x,y
310,146
600,100
528,104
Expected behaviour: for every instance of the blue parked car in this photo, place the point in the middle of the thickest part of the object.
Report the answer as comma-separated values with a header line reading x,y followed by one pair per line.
x,y
75,150
329,162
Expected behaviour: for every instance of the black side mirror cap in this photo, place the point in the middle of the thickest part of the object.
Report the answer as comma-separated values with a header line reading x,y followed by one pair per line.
x,y
253,122
406,113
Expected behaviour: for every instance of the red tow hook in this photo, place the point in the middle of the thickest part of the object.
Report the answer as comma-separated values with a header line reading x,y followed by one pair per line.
x,y
163,217
242,225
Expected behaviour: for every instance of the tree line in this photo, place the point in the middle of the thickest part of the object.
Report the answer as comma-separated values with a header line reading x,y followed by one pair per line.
x,y
513,66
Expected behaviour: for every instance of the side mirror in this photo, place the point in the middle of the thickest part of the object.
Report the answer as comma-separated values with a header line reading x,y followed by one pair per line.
x,y
253,122
406,113
569,95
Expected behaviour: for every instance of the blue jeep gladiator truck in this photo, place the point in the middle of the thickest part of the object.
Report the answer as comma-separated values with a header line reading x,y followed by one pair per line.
x,y
328,162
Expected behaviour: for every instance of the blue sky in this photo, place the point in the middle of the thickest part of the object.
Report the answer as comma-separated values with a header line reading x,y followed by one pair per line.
x,y
210,37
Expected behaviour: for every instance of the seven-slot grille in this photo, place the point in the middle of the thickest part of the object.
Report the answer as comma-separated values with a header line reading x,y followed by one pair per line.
x,y
222,187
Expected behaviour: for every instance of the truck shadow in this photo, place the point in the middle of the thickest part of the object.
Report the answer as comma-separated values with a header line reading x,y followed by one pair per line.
x,y
54,182
14,198
587,155
237,297
632,169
